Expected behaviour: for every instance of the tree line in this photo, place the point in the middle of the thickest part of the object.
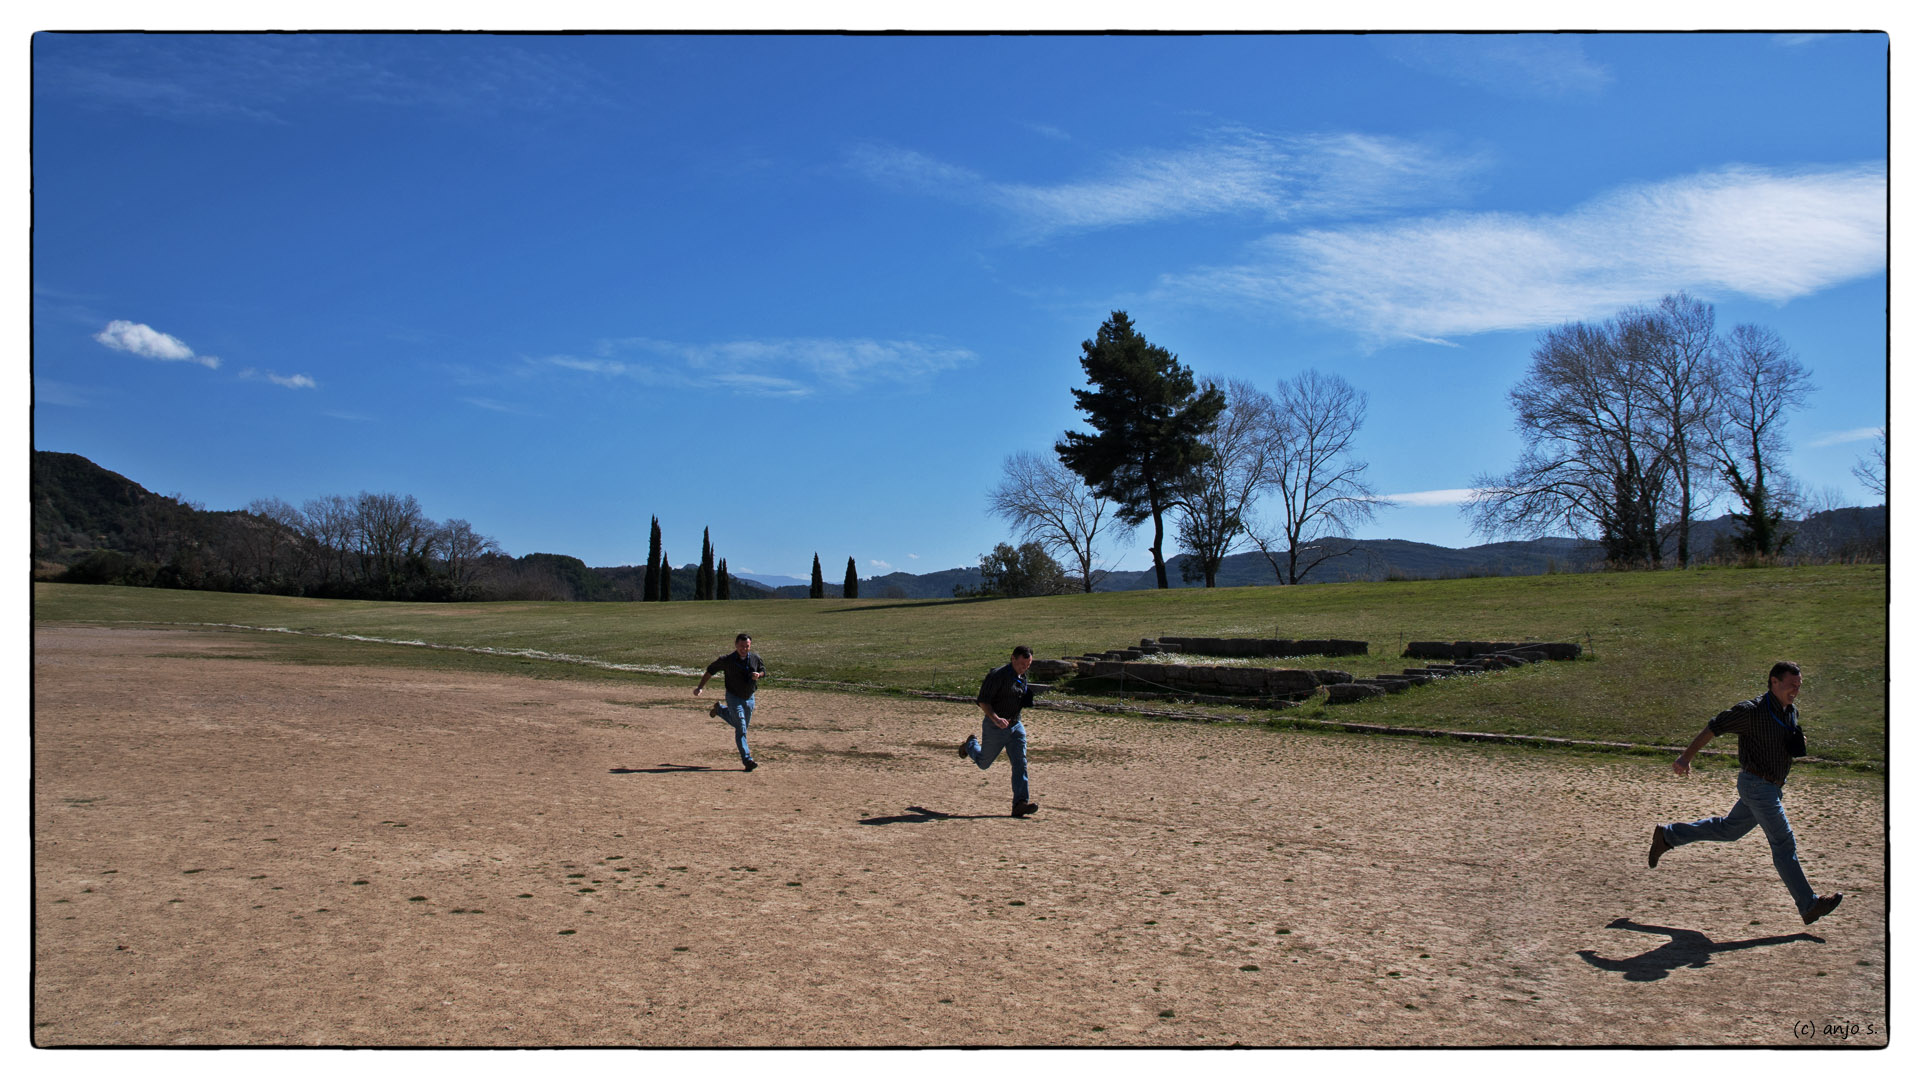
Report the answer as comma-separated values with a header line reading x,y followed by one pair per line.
x,y
1633,428
375,545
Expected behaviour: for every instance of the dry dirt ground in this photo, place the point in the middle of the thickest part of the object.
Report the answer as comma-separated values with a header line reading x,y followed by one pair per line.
x,y
229,851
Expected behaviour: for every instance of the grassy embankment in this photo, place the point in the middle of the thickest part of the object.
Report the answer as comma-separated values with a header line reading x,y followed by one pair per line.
x,y
1663,650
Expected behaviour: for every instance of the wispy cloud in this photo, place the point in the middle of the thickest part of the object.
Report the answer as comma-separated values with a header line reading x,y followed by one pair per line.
x,y
1439,497
1233,171
497,406
1516,65
1837,438
291,382
881,565
783,367
143,340
1772,235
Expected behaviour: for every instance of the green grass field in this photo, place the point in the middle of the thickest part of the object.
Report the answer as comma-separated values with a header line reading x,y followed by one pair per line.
x,y
1664,650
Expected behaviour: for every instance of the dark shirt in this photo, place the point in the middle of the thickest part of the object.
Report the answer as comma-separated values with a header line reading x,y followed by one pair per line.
x,y
739,672
1005,693
1762,728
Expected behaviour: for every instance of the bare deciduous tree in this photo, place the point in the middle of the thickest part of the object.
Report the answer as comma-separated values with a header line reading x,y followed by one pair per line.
x,y
1310,468
464,549
1594,453
394,539
1760,381
1049,504
330,529
1216,501
1872,471
1677,337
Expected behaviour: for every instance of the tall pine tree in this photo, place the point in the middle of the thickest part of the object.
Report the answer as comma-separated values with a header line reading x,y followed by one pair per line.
x,y
819,587
851,590
726,590
666,576
1147,417
651,589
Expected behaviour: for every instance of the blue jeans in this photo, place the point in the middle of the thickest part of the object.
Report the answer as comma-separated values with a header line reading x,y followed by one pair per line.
x,y
738,713
1012,739
1760,804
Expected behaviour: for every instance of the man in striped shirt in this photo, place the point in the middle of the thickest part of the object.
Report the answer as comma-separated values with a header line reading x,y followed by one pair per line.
x,y
1770,738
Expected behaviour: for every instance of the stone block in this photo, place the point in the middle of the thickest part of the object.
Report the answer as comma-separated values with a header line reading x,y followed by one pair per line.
x,y
1328,677
1282,682
1341,693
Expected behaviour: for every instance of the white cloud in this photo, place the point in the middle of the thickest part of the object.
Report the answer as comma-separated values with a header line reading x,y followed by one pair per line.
x,y
291,382
143,340
779,367
910,555
881,564
1232,171
1837,438
601,367
1772,235
1438,497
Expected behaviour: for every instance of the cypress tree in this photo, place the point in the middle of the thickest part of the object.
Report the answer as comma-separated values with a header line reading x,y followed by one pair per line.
x,y
851,590
651,589
819,587
703,583
726,591
666,577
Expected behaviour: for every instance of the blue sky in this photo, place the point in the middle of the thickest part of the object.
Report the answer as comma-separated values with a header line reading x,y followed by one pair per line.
x,y
810,291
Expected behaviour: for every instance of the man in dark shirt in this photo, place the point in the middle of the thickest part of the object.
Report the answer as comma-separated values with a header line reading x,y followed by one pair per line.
x,y
1002,695
742,670
1768,726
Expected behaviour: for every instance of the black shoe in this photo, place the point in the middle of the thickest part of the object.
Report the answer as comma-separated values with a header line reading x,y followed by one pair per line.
x,y
749,766
1022,809
1660,846
714,710
1821,905
964,747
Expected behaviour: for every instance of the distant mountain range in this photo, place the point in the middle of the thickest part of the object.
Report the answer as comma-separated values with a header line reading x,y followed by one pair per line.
x,y
82,512
1859,531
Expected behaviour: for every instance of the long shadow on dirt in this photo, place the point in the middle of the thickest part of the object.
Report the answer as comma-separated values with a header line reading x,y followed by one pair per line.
x,y
1687,948
921,815
667,768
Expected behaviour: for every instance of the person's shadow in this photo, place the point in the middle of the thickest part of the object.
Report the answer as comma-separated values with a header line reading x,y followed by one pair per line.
x,y
1685,948
921,815
666,768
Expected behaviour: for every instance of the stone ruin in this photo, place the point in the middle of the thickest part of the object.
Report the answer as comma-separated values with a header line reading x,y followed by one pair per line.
x,y
1127,668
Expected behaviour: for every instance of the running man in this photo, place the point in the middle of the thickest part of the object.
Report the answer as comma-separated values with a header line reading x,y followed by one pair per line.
x,y
743,670
1770,738
1002,695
